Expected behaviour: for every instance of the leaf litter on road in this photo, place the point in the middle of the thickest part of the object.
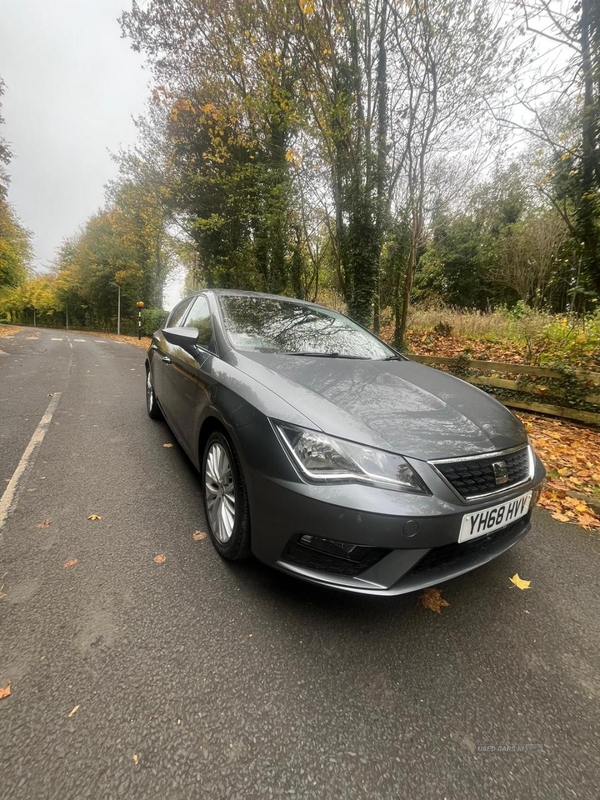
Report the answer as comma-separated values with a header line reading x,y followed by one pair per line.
x,y
160,558
433,600
199,536
167,444
73,711
94,517
45,524
135,758
71,563
4,691
570,455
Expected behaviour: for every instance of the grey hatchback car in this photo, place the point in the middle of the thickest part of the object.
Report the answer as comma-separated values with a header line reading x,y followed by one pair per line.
x,y
332,457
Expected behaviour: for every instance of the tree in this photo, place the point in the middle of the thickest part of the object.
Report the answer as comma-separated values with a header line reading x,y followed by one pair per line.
x,y
15,248
5,153
15,240
563,101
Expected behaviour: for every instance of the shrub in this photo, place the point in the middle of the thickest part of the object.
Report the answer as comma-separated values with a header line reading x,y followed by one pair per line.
x,y
152,320
573,341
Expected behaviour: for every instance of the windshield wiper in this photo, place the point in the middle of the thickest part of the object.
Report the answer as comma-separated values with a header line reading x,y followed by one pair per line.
x,y
328,355
393,358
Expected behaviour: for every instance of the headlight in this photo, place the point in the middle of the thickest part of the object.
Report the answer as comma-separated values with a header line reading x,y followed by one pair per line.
x,y
325,458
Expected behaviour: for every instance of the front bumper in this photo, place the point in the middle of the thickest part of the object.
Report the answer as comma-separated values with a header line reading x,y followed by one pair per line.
x,y
410,540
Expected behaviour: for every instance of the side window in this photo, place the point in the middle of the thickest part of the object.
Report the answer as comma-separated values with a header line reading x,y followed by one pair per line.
x,y
178,314
199,317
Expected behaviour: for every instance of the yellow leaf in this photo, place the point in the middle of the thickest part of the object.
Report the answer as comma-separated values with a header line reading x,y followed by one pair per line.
x,y
73,711
4,691
519,582
135,758
71,563
433,600
168,444
160,558
199,535
94,516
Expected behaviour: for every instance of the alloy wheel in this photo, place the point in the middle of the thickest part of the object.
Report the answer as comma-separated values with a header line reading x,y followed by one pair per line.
x,y
220,492
149,391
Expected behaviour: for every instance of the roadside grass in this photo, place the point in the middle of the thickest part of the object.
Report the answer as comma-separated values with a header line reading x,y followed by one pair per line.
x,y
521,335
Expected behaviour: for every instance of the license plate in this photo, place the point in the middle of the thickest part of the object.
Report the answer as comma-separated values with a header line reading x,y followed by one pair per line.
x,y
480,523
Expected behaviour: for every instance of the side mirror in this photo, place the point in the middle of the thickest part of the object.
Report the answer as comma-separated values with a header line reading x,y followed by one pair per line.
x,y
184,337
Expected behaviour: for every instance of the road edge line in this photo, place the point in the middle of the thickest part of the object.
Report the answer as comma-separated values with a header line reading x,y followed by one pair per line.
x,y
7,499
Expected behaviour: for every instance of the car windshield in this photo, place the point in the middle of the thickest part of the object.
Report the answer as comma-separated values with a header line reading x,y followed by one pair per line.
x,y
265,324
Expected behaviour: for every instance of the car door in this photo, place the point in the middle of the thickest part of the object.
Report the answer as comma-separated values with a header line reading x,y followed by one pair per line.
x,y
159,351
184,384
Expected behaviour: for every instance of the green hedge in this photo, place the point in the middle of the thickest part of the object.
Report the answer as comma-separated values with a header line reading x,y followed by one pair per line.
x,y
152,320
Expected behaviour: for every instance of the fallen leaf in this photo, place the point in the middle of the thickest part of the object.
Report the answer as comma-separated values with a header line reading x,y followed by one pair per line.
x,y
519,582
2,594
71,563
199,535
4,691
45,524
73,711
160,558
94,516
433,600
168,444
135,758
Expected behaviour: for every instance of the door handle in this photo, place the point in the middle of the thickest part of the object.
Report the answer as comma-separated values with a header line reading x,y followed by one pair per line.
x,y
166,359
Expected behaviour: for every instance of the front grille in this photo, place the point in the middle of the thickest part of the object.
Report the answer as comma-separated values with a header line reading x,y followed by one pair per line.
x,y
476,476
350,565
450,554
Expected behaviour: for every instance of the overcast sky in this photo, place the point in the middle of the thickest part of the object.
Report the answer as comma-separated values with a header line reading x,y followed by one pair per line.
x,y
72,87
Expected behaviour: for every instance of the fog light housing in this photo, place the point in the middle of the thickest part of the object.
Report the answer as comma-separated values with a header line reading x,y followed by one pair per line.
x,y
333,547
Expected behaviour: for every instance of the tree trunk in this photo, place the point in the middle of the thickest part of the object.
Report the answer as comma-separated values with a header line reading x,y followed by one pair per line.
x,y
404,304
588,201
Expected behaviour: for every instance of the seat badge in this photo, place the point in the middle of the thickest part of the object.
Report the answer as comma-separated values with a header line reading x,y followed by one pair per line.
x,y
500,472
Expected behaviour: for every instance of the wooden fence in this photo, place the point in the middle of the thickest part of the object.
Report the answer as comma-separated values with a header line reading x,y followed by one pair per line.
x,y
576,386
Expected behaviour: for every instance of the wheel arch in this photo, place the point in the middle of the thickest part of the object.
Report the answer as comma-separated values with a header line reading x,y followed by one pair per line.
x,y
210,424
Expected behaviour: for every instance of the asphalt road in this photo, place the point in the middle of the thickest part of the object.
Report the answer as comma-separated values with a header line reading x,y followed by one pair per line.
x,y
235,681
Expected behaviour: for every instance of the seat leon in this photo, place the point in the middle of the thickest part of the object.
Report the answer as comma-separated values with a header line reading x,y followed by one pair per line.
x,y
330,456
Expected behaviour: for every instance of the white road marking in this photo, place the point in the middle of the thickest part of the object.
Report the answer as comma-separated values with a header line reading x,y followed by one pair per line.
x,y
55,339
79,340
6,501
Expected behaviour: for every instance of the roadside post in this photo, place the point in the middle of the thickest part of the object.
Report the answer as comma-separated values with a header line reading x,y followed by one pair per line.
x,y
140,305
118,307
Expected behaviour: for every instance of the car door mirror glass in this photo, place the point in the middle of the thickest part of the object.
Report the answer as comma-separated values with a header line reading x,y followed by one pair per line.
x,y
184,337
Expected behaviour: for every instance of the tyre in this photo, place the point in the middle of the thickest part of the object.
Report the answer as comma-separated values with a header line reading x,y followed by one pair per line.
x,y
152,407
225,498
